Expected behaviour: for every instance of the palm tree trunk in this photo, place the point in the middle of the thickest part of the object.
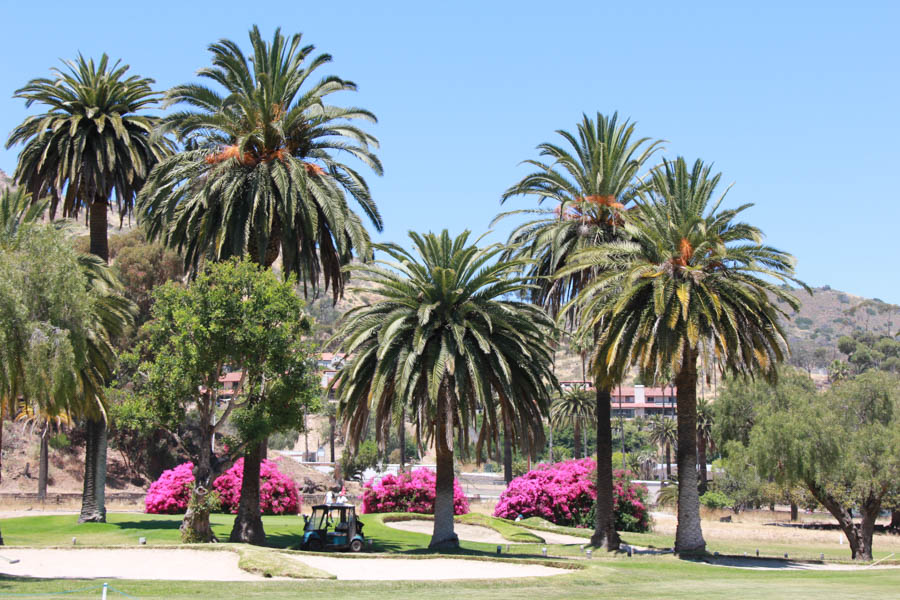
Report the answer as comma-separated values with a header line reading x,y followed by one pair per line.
x,y
93,499
795,512
401,436
43,463
331,422
689,533
507,451
668,461
605,534
701,458
577,436
248,525
895,519
444,536
2,421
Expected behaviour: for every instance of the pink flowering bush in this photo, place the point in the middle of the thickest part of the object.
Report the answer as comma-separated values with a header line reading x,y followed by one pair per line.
x,y
408,492
277,492
169,494
564,493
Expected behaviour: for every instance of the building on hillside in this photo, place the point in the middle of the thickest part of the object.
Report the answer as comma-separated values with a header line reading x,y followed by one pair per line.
x,y
634,401
327,366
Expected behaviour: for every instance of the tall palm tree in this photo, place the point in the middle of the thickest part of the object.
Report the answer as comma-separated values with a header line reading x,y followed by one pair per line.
x,y
704,438
445,342
664,434
690,279
574,407
259,176
259,173
587,183
93,141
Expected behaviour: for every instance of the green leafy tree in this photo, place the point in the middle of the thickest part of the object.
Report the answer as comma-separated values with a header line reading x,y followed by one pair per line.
x,y
93,141
259,173
574,407
588,182
664,434
690,280
843,445
445,341
238,315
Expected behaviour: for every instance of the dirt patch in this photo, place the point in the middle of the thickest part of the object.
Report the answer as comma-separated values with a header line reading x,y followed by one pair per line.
x,y
195,565
396,569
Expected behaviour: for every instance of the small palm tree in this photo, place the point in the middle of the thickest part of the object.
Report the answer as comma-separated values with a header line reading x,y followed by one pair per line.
x,y
691,279
664,433
574,407
588,182
445,341
39,418
704,438
259,173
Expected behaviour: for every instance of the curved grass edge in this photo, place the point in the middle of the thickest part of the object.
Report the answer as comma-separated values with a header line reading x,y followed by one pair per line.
x,y
507,529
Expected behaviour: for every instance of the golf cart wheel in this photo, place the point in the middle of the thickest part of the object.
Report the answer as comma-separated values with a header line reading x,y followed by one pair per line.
x,y
356,546
315,545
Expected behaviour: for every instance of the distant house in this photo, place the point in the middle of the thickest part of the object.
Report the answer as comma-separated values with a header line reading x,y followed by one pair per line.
x,y
634,401
327,365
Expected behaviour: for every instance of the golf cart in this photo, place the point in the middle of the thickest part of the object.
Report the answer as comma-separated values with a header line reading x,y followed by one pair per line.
x,y
333,527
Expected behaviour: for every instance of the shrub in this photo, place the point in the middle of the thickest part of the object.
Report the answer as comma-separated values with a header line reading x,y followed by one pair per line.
x,y
408,492
60,441
354,465
277,492
716,499
564,493
169,494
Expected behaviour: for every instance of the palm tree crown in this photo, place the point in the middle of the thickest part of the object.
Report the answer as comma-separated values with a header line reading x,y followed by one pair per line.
x,y
94,138
444,342
575,407
258,173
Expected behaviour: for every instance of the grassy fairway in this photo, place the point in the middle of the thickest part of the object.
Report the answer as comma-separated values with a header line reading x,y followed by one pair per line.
x,y
617,576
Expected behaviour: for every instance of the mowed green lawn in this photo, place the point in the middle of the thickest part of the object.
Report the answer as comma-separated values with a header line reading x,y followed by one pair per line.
x,y
605,576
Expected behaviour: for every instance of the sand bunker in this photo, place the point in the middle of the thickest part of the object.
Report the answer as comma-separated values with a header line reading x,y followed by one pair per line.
x,y
197,565
394,569
477,533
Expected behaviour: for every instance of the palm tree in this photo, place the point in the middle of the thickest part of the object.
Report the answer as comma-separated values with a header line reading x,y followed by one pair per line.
x,y
573,407
93,141
704,438
259,173
588,183
664,433
446,342
259,176
41,419
691,279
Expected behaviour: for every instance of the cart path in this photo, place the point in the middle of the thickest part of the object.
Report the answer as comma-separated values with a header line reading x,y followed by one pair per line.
x,y
426,569
143,563
477,533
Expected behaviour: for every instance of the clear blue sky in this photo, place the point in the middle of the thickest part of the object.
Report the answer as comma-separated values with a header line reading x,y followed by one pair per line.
x,y
798,105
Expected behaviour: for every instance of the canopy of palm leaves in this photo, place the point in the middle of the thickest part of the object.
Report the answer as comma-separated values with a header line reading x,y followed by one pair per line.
x,y
663,431
573,406
93,139
690,276
444,342
258,173
588,182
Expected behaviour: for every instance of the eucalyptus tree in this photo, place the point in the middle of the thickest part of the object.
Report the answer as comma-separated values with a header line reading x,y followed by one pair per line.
x,y
93,141
689,279
587,183
445,341
259,173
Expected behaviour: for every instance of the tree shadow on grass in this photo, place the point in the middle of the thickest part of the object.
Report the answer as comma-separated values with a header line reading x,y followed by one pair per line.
x,y
149,525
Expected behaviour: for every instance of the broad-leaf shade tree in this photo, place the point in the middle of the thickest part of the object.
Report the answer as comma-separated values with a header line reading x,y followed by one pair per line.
x,y
260,171
691,278
93,141
445,341
843,445
583,186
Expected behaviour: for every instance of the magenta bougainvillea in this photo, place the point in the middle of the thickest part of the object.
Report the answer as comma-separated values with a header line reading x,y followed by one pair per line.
x,y
277,492
564,493
408,492
169,494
